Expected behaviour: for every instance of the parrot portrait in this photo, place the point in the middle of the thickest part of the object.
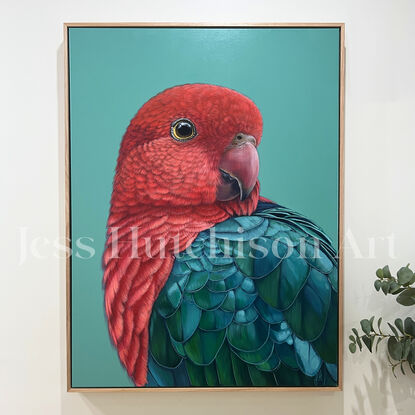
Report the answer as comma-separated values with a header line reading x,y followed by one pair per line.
x,y
206,283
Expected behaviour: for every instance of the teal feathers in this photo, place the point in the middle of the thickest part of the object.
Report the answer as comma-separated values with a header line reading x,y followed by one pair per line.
x,y
231,315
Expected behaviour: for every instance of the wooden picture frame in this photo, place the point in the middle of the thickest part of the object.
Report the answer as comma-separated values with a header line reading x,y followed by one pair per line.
x,y
68,175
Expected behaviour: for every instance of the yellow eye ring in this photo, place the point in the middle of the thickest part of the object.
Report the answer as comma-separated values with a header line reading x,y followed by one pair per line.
x,y
183,130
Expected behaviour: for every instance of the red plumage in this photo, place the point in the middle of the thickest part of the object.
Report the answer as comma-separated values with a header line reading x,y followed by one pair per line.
x,y
166,189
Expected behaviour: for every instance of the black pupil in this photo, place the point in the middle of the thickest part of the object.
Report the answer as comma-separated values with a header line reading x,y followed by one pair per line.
x,y
184,129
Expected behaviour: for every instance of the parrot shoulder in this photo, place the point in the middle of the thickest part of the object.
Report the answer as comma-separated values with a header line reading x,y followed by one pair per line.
x,y
253,301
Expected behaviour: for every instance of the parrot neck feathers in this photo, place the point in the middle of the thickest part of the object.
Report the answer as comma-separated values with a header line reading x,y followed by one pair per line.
x,y
138,258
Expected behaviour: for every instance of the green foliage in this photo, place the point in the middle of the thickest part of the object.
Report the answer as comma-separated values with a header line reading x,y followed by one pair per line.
x,y
401,339
399,285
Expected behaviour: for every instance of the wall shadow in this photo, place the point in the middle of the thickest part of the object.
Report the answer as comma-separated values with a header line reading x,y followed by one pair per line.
x,y
382,391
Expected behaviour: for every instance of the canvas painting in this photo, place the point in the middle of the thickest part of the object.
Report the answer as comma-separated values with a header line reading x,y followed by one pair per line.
x,y
205,190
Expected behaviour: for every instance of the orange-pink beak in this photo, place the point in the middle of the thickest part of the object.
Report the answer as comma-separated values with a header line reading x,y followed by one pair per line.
x,y
239,169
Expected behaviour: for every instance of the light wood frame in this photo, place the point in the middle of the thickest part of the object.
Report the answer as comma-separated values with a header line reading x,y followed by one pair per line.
x,y
341,27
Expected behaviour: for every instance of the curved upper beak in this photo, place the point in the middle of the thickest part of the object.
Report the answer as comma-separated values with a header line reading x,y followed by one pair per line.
x,y
239,167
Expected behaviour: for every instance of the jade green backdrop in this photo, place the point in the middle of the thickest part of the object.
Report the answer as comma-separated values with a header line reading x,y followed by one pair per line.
x,y
292,74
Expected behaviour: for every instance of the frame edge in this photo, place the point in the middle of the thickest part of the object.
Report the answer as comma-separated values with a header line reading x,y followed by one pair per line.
x,y
67,212
202,24
342,52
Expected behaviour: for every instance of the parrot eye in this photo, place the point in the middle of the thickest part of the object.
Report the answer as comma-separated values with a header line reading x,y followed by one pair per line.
x,y
183,130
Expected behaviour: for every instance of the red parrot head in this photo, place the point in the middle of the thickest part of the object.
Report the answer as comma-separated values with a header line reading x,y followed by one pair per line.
x,y
190,145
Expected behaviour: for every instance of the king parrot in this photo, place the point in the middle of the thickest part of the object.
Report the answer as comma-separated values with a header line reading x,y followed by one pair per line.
x,y
207,283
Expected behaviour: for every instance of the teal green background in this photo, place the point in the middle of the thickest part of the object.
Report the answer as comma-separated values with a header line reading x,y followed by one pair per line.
x,y
292,74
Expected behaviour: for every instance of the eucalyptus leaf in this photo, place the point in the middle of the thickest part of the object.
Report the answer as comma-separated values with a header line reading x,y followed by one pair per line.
x,y
395,332
409,326
379,323
352,347
359,343
385,286
368,341
405,275
379,273
377,284
406,297
395,348
394,287
386,272
366,326
406,349
399,325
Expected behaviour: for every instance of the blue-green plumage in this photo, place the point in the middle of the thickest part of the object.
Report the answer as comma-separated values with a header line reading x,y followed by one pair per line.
x,y
253,302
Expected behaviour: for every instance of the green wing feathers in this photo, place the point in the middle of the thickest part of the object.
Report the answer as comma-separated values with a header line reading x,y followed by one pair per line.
x,y
254,302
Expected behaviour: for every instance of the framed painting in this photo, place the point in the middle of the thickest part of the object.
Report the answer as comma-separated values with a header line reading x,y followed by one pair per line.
x,y
204,206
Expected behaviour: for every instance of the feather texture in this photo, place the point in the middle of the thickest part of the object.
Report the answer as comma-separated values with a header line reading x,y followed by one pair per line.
x,y
229,315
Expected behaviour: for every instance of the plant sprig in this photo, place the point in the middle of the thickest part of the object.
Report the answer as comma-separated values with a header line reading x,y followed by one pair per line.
x,y
399,285
401,340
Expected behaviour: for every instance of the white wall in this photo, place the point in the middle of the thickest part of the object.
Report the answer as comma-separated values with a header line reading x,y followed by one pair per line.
x,y
379,198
